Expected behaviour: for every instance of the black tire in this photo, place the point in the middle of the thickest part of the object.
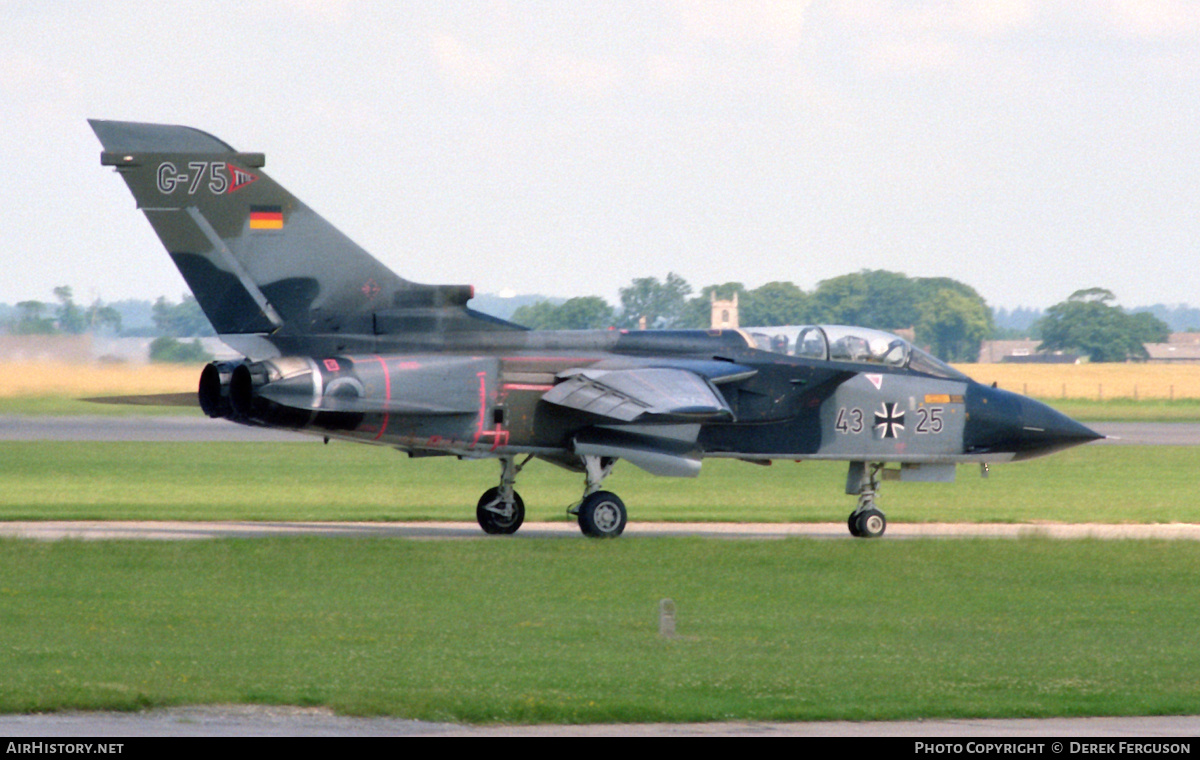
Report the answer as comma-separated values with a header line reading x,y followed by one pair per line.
x,y
852,524
495,523
870,523
602,515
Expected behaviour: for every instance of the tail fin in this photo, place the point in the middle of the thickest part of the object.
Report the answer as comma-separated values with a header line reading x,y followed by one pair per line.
x,y
257,259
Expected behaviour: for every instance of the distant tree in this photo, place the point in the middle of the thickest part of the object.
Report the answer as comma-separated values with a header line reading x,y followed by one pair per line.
x,y
1091,323
952,324
870,298
74,320
184,319
1149,328
1180,318
71,319
542,315
662,304
774,304
586,313
583,313
31,319
1017,323
167,349
98,316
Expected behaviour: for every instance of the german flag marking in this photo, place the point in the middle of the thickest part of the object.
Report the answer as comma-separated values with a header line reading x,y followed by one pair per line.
x,y
266,218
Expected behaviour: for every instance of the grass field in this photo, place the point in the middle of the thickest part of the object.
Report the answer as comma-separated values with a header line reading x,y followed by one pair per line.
x,y
1094,382
566,631
554,630
344,481
34,379
41,388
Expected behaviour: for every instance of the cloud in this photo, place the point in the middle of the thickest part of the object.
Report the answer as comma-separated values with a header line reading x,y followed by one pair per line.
x,y
747,21
466,65
317,12
27,80
922,37
1153,19
576,73
554,66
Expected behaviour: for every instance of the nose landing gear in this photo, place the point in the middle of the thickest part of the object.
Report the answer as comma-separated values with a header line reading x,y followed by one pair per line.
x,y
865,521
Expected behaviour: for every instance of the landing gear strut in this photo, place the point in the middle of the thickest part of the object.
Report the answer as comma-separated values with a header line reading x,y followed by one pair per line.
x,y
601,514
865,521
501,509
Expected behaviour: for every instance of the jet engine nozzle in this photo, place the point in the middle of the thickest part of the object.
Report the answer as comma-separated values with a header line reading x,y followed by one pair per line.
x,y
277,392
214,389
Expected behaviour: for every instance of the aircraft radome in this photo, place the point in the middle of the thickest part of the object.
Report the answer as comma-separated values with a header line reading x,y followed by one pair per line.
x,y
337,345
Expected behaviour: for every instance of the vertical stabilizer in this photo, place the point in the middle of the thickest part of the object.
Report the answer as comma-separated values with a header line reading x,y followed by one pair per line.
x,y
258,260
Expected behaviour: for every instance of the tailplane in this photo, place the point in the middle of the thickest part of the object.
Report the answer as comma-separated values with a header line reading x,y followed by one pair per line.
x,y
258,260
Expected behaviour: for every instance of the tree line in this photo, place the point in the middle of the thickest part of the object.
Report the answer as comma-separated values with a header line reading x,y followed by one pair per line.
x,y
66,317
947,316
1089,322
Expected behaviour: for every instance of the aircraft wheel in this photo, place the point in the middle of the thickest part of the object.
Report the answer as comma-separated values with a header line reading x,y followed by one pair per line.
x,y
490,513
870,523
852,524
602,515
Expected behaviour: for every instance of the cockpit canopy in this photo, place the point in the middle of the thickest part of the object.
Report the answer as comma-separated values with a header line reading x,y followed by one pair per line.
x,y
857,345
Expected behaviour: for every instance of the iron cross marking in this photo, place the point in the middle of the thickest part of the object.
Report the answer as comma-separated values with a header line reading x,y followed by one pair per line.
x,y
890,422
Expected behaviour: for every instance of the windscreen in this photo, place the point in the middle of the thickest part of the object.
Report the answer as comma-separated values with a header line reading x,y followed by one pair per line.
x,y
858,345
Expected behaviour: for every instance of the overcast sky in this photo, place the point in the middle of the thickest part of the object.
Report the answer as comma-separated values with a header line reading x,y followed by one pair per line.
x,y
1029,149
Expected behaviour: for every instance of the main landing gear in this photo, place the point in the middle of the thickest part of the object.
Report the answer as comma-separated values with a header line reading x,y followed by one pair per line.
x,y
601,514
501,510
865,521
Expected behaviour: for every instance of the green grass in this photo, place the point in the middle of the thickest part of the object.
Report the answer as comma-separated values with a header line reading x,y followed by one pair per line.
x,y
1128,410
554,630
342,481
566,631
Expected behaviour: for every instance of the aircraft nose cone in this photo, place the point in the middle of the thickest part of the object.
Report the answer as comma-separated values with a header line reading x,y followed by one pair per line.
x,y
1003,422
1044,430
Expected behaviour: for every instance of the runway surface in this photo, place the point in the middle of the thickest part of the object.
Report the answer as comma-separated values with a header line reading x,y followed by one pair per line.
x,y
288,721
185,531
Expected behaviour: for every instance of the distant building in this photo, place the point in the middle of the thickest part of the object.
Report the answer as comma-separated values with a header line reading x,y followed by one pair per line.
x,y
1022,352
724,313
1181,348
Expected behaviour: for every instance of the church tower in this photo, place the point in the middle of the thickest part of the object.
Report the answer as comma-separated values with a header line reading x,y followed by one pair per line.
x,y
724,313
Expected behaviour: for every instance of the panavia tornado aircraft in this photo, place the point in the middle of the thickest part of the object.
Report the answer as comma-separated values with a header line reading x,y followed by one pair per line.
x,y
337,345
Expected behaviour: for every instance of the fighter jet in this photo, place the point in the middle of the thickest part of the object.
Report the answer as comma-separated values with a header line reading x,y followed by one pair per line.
x,y
337,345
